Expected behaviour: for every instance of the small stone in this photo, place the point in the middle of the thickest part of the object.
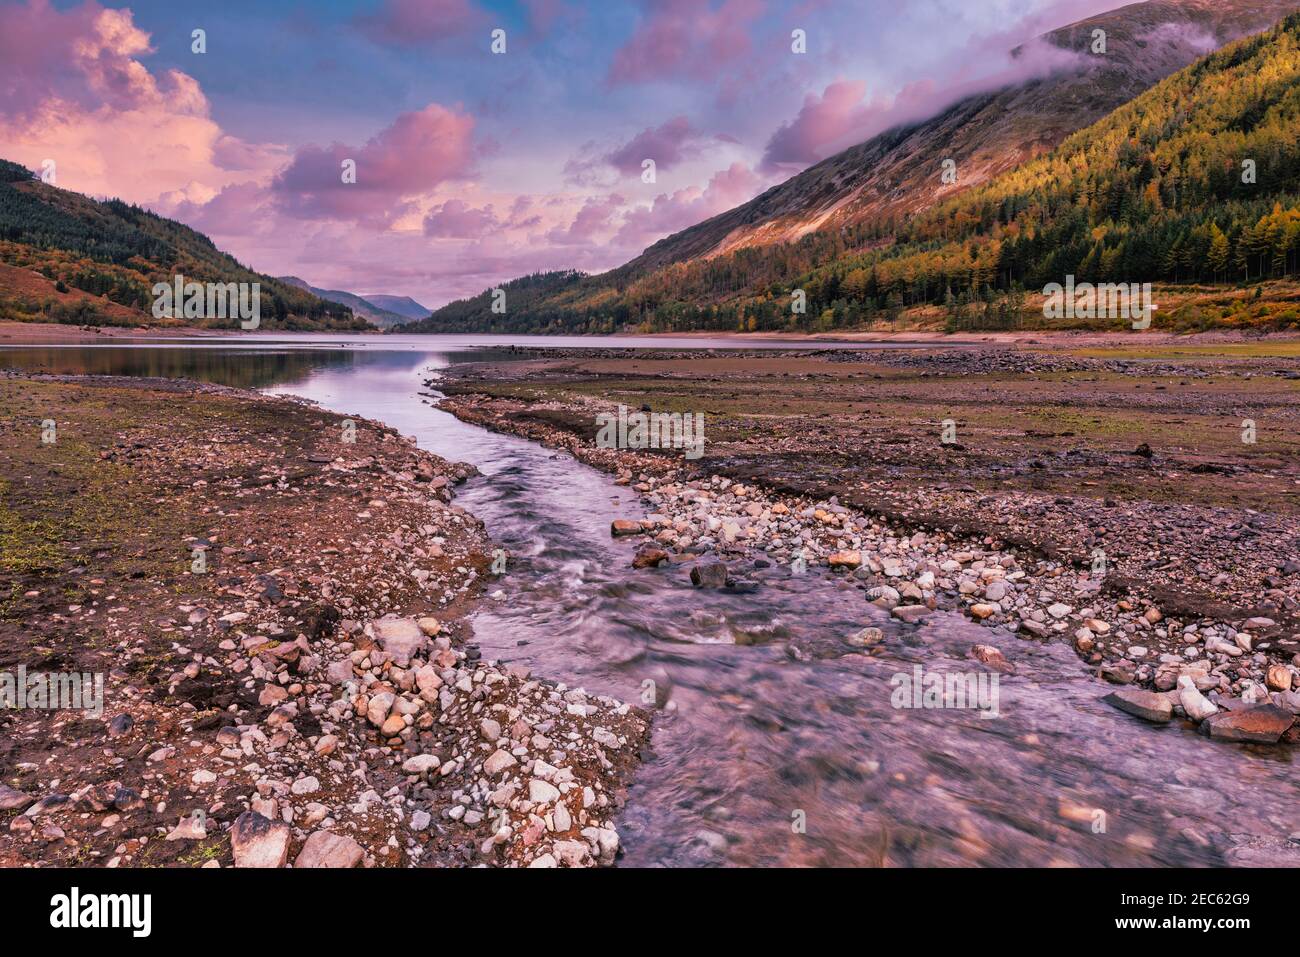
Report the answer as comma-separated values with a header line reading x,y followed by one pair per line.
x,y
542,792
1148,705
421,764
1195,705
192,828
649,556
13,800
910,613
1259,724
499,760
380,705
865,638
120,725
993,657
401,638
325,849
258,842
1278,678
845,559
624,526
709,575
394,726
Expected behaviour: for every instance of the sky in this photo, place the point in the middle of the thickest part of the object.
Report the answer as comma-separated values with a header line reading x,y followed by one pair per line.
x,y
473,165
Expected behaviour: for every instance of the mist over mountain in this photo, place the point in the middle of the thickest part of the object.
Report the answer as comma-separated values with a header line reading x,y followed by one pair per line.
x,y
860,196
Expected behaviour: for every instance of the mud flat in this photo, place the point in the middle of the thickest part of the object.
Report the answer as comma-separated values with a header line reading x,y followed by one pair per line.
x,y
1139,507
273,598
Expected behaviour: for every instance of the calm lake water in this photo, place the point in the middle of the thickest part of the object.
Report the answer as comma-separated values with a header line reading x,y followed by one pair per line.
x,y
752,740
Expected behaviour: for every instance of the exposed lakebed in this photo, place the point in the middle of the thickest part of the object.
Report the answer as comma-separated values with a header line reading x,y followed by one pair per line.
x,y
752,739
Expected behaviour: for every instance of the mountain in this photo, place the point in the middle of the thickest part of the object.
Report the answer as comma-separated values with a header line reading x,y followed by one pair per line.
x,y
1194,184
65,257
375,314
404,306
896,173
858,198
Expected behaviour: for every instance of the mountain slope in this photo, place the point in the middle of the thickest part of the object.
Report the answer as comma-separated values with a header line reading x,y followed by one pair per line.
x,y
359,305
67,258
1196,181
404,306
897,172
857,198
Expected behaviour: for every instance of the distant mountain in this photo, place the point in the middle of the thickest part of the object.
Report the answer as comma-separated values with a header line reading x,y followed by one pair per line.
x,y
376,314
525,296
67,258
859,199
402,305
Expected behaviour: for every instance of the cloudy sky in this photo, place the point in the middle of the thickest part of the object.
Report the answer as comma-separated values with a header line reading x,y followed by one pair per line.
x,y
472,167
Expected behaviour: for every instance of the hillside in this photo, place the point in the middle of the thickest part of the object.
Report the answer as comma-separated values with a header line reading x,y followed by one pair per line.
x,y
67,258
896,174
863,198
359,305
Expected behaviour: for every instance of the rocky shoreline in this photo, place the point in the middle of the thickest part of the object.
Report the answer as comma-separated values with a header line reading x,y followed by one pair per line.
x,y
1230,667
276,599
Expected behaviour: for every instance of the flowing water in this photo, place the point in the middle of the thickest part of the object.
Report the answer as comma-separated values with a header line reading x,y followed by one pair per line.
x,y
774,741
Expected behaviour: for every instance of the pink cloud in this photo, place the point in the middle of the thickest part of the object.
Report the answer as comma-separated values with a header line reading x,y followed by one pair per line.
x,y
670,213
667,144
685,38
822,120
413,155
843,116
456,219
595,217
73,90
421,22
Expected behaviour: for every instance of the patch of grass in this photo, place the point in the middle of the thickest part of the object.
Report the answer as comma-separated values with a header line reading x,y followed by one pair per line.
x,y
28,545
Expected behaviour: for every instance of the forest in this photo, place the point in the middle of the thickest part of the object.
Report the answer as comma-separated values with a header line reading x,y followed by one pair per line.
x,y
117,251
